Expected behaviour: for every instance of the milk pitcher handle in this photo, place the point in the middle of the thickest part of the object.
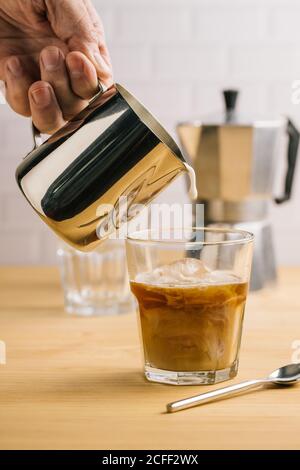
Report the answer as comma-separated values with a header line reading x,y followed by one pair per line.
x,y
292,153
38,137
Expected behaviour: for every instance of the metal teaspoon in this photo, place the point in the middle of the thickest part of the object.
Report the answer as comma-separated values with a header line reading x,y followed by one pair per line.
x,y
287,375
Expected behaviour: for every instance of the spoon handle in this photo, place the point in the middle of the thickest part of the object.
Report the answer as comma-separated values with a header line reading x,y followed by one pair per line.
x,y
212,396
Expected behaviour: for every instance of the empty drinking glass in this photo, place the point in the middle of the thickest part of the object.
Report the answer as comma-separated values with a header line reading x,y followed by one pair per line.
x,y
96,283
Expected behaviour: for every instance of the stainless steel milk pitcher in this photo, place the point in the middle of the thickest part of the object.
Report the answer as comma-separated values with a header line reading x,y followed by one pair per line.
x,y
113,149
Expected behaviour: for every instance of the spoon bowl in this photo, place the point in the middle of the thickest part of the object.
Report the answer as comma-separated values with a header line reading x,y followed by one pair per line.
x,y
287,375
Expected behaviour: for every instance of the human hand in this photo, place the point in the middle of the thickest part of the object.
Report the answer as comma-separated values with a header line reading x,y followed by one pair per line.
x,y
51,53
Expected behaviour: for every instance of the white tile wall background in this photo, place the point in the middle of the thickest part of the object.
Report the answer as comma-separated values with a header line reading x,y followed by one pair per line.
x,y
176,56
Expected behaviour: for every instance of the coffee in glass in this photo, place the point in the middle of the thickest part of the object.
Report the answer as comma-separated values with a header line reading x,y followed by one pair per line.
x,y
191,314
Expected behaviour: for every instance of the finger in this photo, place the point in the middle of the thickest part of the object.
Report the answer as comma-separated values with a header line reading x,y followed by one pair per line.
x,y
71,22
18,82
54,71
82,74
46,113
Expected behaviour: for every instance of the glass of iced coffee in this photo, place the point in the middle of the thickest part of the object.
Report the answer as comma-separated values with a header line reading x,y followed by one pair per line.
x,y
191,287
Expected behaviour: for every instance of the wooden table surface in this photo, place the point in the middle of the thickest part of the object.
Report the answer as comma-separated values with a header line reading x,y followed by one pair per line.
x,y
76,383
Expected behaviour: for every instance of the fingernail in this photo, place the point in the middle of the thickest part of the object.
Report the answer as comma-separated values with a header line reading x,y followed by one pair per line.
x,y
51,58
41,96
76,68
101,62
15,67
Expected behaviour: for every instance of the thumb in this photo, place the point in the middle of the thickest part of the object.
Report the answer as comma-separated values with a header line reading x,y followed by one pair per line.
x,y
77,23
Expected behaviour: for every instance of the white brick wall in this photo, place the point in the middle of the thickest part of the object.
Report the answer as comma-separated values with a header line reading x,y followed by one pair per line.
x,y
176,56
140,23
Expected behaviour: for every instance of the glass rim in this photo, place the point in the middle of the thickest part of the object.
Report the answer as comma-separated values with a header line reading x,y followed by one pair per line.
x,y
245,237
